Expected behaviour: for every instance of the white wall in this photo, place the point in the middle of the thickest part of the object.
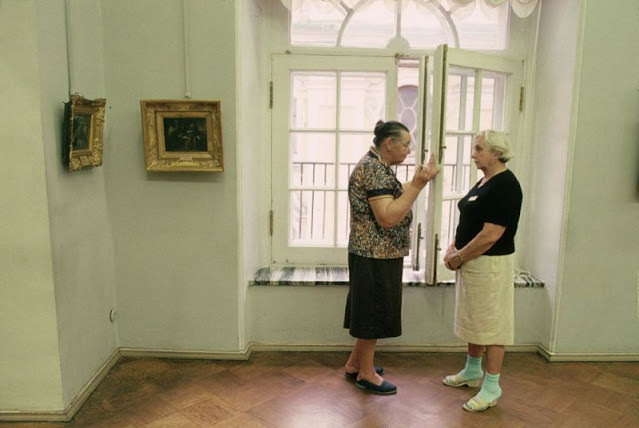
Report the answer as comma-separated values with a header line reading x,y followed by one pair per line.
x,y
175,234
586,163
598,310
253,148
30,376
313,316
555,74
81,241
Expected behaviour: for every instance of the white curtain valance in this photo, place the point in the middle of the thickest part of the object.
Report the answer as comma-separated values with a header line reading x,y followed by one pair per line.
x,y
521,8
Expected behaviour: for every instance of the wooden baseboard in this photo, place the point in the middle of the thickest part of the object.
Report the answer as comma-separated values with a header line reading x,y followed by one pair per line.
x,y
586,357
33,416
198,355
75,405
533,347
262,347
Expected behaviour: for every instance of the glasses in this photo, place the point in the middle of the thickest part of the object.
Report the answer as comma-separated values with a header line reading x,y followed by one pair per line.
x,y
405,145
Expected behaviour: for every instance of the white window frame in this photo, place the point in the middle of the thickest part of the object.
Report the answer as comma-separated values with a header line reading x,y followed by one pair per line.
x,y
427,222
424,226
282,65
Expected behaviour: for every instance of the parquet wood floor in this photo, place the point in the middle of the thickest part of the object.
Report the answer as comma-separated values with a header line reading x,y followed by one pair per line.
x,y
309,390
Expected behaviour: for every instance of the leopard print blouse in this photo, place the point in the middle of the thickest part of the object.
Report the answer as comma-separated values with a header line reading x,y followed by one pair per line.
x,y
373,177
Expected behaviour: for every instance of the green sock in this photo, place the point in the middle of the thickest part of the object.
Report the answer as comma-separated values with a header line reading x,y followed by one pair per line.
x,y
473,368
490,389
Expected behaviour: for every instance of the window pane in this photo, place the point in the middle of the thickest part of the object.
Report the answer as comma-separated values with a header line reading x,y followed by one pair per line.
x,y
450,216
405,171
313,102
315,23
312,158
484,28
351,149
492,101
311,217
408,104
407,109
424,23
487,103
457,162
453,101
450,164
468,143
362,98
344,218
423,27
460,99
371,26
467,124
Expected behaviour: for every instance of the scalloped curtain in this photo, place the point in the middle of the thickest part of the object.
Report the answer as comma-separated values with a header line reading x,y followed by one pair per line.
x,y
521,8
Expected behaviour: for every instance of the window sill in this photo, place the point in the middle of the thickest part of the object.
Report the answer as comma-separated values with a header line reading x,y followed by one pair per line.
x,y
329,276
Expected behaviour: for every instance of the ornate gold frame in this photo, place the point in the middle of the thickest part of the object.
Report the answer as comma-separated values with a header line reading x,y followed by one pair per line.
x,y
182,135
83,127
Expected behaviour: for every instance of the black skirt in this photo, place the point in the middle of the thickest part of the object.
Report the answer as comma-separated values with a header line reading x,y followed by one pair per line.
x,y
374,302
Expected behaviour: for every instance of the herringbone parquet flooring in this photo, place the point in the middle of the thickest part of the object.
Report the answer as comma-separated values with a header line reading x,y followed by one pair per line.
x,y
309,390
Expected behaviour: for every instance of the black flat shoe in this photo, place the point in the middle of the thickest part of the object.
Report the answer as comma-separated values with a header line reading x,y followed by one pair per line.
x,y
386,388
353,376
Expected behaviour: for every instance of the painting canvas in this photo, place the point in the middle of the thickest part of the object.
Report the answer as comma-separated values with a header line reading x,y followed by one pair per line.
x,y
83,126
182,135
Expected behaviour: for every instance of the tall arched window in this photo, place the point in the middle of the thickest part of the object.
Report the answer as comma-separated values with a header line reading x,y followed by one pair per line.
x,y
416,24
349,63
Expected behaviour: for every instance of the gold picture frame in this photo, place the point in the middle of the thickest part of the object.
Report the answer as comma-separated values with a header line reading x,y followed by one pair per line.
x,y
182,135
83,128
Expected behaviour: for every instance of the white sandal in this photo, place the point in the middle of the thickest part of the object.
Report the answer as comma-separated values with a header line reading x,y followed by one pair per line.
x,y
478,404
458,380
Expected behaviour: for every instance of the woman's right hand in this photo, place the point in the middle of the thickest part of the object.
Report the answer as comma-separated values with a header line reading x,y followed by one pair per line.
x,y
425,173
449,253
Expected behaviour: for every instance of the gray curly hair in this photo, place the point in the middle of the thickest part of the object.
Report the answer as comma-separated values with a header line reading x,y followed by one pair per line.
x,y
496,142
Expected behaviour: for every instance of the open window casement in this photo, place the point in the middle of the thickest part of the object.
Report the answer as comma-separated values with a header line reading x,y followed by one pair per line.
x,y
471,92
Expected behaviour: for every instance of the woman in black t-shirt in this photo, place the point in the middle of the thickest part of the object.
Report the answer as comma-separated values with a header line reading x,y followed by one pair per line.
x,y
483,252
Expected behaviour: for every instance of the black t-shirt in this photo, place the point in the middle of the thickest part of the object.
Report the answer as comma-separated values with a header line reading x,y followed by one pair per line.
x,y
498,201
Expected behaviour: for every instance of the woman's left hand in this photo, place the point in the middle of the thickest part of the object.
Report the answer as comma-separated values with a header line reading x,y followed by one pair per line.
x,y
452,260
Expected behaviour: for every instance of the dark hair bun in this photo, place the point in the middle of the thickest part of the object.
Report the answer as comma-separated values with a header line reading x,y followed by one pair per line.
x,y
378,127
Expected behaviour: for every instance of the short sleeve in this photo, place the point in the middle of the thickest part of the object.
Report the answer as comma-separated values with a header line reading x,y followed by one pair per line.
x,y
376,181
504,203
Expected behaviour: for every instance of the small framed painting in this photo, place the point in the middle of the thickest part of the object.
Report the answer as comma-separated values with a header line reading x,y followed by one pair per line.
x,y
182,135
83,127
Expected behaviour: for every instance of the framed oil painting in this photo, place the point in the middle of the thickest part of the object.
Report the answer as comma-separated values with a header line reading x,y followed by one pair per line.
x,y
182,135
83,127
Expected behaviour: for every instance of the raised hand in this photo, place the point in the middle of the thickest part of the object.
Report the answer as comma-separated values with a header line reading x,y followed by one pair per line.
x,y
425,173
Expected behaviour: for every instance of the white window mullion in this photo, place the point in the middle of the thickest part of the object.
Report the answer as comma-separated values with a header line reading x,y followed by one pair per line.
x,y
435,193
421,156
338,127
459,158
476,117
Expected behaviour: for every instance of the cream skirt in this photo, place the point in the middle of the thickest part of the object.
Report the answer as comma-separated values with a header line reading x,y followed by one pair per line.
x,y
484,300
